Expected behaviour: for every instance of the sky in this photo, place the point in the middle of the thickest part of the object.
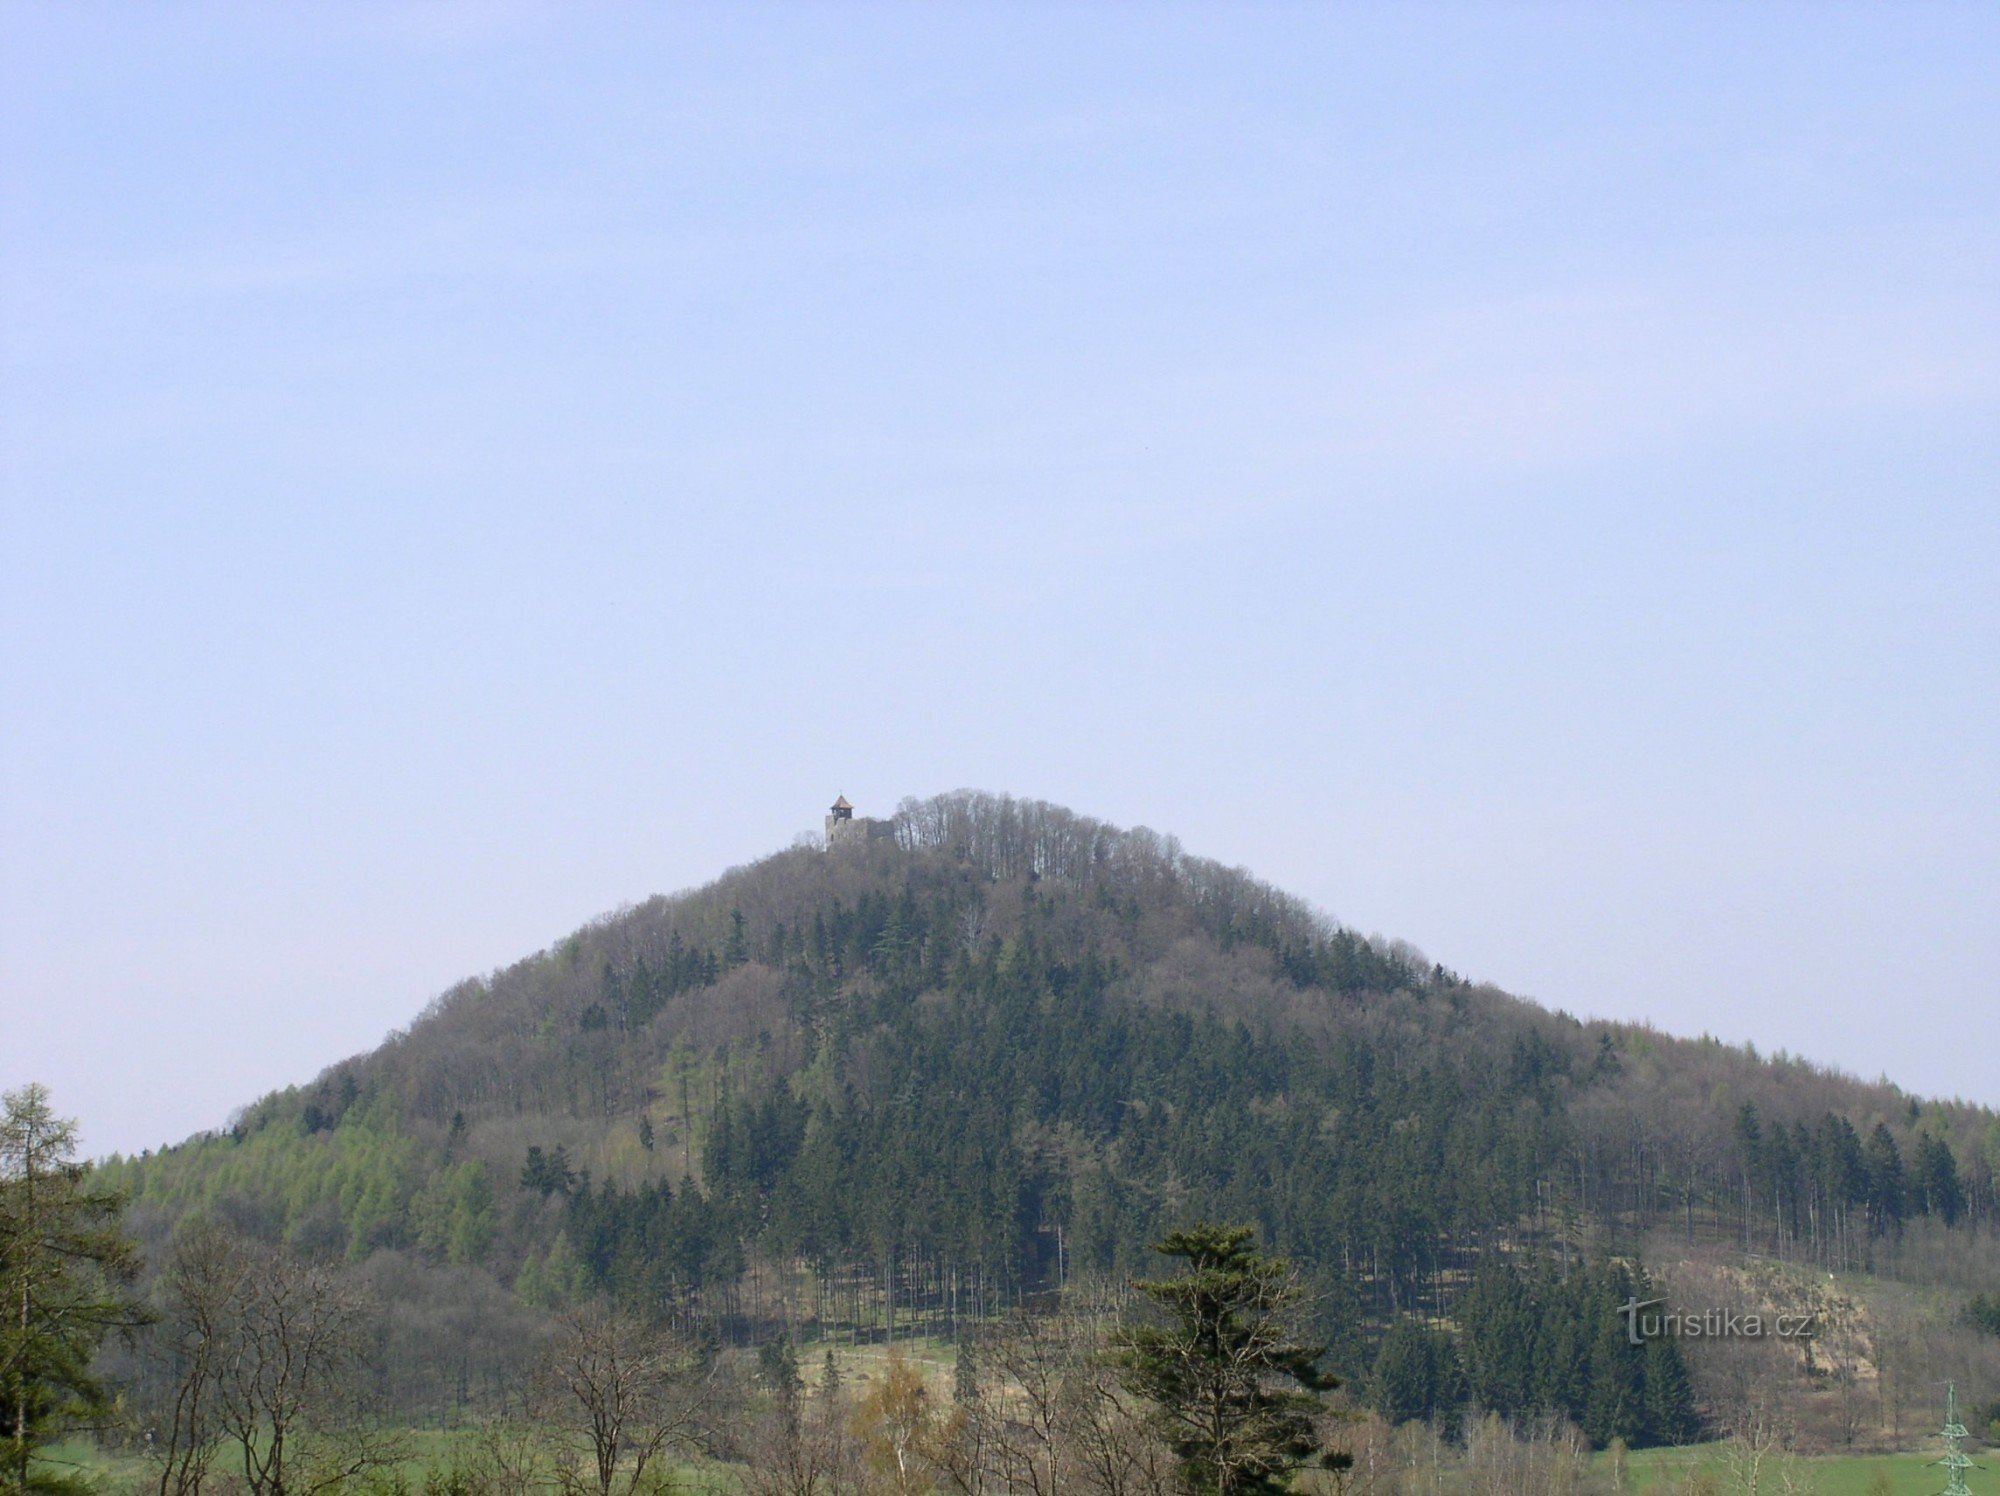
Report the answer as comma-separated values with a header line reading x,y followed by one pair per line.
x,y
1522,478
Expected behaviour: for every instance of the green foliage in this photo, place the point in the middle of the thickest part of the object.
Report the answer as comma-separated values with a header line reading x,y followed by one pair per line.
x,y
650,1249
1417,1374
1983,1313
1670,1415
1017,1047
1888,1190
1934,1181
778,1368
1537,1341
547,1173
453,1214
66,1267
343,1190
965,1373
1232,1387
556,1280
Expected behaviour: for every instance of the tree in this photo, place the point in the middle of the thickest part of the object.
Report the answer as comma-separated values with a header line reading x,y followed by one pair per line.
x,y
66,1267
1983,1313
778,1369
1936,1183
1670,1411
1044,1412
199,1292
1233,1388
801,1446
292,1373
1417,1373
1887,1189
898,1427
617,1397
267,1354
965,1367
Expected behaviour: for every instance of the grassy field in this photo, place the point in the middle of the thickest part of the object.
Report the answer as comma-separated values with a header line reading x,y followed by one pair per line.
x,y
1648,1469
115,1473
1831,1475
1909,1475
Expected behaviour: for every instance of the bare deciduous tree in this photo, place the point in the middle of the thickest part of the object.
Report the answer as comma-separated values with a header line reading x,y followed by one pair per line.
x,y
292,1377
801,1446
617,1398
267,1366
199,1292
1053,1418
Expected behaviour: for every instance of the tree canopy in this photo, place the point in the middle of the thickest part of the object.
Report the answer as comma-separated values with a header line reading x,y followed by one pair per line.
x,y
1233,1386
66,1267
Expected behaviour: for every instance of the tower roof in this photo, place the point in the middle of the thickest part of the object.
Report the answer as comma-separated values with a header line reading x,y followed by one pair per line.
x,y
841,804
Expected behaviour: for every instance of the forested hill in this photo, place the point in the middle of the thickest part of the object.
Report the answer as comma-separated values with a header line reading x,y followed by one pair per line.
x,y
923,1075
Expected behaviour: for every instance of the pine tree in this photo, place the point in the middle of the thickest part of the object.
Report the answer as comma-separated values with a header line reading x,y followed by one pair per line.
x,y
1232,1387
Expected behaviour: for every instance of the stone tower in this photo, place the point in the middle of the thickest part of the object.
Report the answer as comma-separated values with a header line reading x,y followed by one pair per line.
x,y
844,828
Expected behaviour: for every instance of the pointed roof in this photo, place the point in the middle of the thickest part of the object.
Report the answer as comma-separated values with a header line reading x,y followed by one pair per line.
x,y
841,804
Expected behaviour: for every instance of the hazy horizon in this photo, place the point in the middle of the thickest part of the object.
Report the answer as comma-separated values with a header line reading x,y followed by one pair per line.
x,y
1520,479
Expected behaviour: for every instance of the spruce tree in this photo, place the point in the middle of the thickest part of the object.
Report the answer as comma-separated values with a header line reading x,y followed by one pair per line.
x,y
1670,1411
965,1374
1403,1388
1617,1407
1232,1388
1887,1188
778,1369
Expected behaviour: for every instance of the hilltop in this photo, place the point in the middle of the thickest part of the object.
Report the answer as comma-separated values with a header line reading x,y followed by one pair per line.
x,y
995,1046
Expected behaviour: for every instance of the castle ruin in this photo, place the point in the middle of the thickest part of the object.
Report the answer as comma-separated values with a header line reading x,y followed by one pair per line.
x,y
844,828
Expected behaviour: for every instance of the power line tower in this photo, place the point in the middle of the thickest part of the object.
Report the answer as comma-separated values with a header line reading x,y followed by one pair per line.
x,y
1955,1459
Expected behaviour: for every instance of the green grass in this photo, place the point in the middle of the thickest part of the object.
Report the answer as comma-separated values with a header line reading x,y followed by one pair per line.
x,y
1832,1475
115,1472
105,1469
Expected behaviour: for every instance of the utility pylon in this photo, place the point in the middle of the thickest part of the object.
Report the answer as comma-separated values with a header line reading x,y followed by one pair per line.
x,y
1955,1459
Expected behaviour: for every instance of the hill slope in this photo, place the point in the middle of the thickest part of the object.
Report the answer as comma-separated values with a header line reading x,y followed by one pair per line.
x,y
919,1077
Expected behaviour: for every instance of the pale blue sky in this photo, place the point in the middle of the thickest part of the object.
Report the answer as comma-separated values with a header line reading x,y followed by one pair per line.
x,y
1522,478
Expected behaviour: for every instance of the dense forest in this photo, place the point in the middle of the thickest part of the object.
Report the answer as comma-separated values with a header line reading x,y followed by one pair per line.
x,y
913,1082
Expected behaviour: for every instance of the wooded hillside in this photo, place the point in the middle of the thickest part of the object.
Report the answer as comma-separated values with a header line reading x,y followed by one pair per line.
x,y
917,1079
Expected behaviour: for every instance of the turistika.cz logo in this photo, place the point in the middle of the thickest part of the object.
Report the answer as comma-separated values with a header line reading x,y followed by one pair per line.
x,y
1711,1324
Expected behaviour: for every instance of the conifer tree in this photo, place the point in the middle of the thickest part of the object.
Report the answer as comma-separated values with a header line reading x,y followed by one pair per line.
x,y
66,1267
1887,1188
778,1369
1670,1410
1402,1389
965,1374
1617,1408
1233,1388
